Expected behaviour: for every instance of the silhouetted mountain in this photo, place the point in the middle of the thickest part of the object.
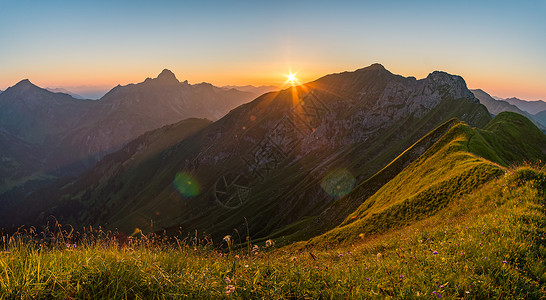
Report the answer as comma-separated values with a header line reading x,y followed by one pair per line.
x,y
277,160
532,107
64,136
64,91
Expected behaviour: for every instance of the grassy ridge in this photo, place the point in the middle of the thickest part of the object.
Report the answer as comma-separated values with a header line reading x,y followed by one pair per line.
x,y
452,167
487,244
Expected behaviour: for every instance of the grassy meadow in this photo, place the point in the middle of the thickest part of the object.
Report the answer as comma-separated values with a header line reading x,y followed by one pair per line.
x,y
486,244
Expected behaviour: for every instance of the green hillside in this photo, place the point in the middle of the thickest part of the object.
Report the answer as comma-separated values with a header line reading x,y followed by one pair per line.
x,y
463,160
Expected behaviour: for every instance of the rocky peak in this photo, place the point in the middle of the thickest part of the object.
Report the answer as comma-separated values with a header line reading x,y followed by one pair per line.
x,y
373,67
167,76
449,85
24,87
25,83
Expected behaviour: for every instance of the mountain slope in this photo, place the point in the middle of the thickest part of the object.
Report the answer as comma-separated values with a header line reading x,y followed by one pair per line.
x,y
290,154
541,117
33,122
134,161
64,136
455,166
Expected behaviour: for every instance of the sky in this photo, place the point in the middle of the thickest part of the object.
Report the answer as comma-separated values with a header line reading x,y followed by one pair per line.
x,y
84,46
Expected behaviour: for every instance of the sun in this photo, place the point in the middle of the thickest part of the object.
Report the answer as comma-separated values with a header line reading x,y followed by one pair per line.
x,y
291,78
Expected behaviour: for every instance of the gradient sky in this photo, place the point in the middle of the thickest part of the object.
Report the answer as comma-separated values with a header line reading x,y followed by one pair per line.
x,y
497,46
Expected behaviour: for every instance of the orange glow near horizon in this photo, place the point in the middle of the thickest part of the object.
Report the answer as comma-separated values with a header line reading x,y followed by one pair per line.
x,y
84,80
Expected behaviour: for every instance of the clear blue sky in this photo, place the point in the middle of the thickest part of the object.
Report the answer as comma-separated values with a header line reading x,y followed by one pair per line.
x,y
495,45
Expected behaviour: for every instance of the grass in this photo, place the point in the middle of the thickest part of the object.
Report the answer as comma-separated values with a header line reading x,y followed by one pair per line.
x,y
487,244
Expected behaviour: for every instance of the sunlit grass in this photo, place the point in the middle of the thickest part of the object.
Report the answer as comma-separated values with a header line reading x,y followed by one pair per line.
x,y
487,244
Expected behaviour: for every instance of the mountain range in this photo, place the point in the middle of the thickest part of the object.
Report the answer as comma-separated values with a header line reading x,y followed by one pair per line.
x,y
532,107
349,154
286,155
257,90
496,106
45,135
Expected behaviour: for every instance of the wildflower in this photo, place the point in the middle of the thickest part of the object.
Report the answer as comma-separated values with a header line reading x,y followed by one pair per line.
x,y
379,255
401,275
269,243
230,289
340,255
439,295
504,262
435,252
485,258
227,280
368,279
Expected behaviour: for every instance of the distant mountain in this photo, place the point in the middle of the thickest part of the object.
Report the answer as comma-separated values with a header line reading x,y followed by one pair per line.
x,y
532,107
497,106
256,90
66,135
64,91
493,105
275,161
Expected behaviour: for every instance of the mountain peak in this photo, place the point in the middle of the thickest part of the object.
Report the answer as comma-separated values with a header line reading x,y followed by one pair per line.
x,y
167,75
377,66
24,82
373,67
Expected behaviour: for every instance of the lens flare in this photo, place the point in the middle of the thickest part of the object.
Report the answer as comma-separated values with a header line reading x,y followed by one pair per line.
x,y
338,183
186,185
